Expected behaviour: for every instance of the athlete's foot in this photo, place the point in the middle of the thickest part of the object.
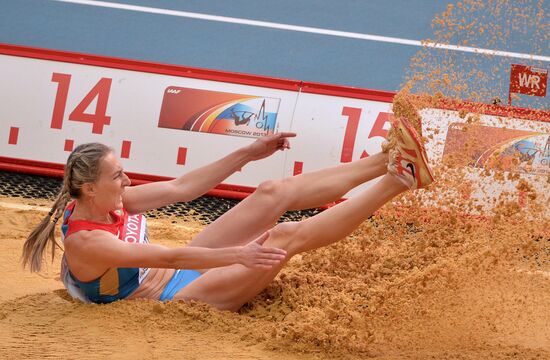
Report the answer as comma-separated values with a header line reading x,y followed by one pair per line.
x,y
386,146
408,161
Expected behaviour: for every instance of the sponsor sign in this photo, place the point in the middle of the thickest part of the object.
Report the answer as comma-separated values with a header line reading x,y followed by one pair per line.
x,y
217,112
497,148
496,153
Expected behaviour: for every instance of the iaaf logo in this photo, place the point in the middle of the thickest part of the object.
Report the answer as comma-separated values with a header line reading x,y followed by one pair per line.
x,y
173,91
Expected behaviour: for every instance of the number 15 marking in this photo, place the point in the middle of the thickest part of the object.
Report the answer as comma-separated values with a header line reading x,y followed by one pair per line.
x,y
354,115
98,119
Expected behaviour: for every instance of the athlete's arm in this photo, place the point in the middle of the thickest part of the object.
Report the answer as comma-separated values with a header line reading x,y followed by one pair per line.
x,y
100,250
141,198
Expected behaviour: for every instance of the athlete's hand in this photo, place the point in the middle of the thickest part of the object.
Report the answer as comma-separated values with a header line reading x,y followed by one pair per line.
x,y
267,145
255,255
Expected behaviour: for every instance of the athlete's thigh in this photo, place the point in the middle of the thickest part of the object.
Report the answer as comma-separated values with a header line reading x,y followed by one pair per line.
x,y
241,224
228,288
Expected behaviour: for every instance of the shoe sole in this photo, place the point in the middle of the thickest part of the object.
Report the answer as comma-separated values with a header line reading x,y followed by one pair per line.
x,y
412,140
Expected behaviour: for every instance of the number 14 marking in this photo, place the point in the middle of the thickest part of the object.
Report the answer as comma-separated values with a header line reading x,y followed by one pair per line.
x,y
98,119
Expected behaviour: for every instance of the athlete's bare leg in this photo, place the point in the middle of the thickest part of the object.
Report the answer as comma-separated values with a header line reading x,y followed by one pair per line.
x,y
261,210
228,288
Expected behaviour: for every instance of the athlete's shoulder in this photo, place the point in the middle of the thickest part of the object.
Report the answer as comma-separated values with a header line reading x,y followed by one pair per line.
x,y
83,239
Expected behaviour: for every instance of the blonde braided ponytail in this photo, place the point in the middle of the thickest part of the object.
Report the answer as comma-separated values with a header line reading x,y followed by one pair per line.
x,y
82,167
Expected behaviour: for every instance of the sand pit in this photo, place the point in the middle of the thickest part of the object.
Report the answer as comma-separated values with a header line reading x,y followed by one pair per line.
x,y
396,288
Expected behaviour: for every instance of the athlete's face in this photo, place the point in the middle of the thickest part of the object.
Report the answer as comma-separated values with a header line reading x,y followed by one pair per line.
x,y
110,185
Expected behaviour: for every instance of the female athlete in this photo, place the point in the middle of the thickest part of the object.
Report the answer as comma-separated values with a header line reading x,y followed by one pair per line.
x,y
108,257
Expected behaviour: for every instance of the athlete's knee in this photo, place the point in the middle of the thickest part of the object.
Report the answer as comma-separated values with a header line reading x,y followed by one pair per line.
x,y
289,236
274,188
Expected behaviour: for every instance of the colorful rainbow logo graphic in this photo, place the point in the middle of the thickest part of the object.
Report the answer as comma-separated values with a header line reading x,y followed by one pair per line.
x,y
217,112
